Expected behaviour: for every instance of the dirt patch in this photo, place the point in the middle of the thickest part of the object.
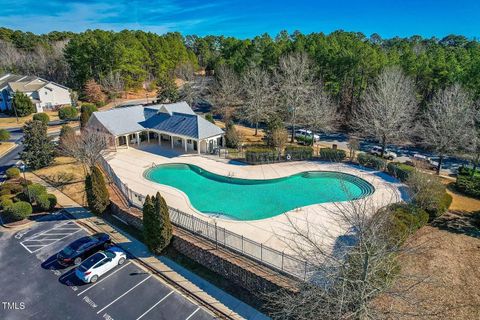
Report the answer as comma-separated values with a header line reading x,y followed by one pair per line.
x,y
448,261
67,175
247,134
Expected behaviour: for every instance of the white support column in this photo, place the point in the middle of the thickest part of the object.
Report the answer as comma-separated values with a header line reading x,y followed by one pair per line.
x,y
185,142
115,142
171,141
159,139
127,137
198,146
137,134
148,136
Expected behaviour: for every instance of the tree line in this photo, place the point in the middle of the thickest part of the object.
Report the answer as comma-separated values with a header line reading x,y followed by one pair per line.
x,y
346,62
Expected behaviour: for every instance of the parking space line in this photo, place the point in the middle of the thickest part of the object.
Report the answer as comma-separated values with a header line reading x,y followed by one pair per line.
x,y
108,305
25,247
56,226
58,240
154,305
39,240
111,274
191,315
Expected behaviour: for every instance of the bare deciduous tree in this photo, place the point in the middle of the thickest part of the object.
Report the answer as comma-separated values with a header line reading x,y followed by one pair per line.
x,y
225,92
86,148
194,90
349,272
447,124
294,79
114,84
321,113
257,96
388,108
185,71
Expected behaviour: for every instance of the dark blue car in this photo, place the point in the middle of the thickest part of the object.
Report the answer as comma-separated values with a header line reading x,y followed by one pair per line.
x,y
75,252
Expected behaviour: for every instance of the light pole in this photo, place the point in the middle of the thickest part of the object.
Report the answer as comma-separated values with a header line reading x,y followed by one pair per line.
x,y
23,167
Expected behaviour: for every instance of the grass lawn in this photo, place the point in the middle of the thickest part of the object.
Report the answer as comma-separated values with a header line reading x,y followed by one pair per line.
x,y
11,122
68,176
5,146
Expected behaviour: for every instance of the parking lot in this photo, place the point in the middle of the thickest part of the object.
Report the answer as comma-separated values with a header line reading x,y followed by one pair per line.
x,y
33,285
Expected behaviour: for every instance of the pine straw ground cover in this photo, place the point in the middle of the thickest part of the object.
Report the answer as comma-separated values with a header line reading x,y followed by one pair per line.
x,y
67,175
449,261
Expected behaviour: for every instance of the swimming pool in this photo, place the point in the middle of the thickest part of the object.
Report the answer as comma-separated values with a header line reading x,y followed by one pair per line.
x,y
247,199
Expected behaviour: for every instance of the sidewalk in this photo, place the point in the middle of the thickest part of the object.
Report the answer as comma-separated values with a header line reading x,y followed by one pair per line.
x,y
138,250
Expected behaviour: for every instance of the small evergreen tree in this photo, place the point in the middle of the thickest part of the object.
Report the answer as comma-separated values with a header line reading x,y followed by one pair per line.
x,y
232,138
96,190
157,228
22,104
86,111
38,149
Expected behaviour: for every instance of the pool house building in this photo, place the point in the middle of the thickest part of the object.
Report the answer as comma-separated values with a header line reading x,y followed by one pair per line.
x,y
174,125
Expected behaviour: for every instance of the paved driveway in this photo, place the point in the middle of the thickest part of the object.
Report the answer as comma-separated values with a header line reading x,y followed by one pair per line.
x,y
34,286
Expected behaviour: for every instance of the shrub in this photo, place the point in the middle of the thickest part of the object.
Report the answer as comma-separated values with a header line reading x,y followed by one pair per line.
x,y
468,185
209,117
19,210
255,155
12,173
428,193
299,152
34,191
46,202
405,220
4,135
67,113
42,117
465,171
5,202
399,170
307,140
10,188
371,161
333,155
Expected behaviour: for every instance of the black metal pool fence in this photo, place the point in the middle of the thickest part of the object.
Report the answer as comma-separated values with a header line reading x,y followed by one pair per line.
x,y
220,236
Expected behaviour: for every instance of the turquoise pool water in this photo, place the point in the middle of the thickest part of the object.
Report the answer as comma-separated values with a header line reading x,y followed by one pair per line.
x,y
246,199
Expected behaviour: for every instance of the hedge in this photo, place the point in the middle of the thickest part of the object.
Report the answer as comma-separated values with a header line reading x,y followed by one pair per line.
x,y
399,170
371,161
19,210
333,155
261,155
464,171
468,185
10,188
304,139
12,173
406,219
5,202
299,152
67,113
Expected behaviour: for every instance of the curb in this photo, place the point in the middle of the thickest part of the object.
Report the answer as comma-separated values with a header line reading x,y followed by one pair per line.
x,y
14,145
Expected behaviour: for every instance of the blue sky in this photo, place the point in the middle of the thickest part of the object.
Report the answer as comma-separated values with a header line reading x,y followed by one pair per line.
x,y
247,18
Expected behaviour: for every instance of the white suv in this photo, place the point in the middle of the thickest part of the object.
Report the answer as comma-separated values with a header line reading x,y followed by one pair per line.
x,y
376,150
302,133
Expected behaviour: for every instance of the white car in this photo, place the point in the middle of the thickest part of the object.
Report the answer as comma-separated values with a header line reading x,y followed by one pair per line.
x,y
306,133
100,263
424,161
388,154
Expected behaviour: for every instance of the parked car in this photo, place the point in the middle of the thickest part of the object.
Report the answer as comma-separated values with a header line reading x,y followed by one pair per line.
x,y
81,248
100,263
419,160
388,154
303,133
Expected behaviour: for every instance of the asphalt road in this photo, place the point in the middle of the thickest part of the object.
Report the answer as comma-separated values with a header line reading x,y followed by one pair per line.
x,y
34,286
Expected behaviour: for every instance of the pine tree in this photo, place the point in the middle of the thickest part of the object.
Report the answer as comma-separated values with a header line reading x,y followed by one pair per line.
x,y
38,149
151,230
96,190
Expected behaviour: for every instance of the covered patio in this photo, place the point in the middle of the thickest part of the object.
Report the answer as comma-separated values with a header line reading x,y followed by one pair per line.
x,y
164,139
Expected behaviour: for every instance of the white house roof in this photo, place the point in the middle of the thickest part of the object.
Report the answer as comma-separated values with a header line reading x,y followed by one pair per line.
x,y
177,118
24,83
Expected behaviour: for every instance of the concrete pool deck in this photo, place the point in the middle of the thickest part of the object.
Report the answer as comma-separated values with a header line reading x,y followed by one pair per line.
x,y
130,165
